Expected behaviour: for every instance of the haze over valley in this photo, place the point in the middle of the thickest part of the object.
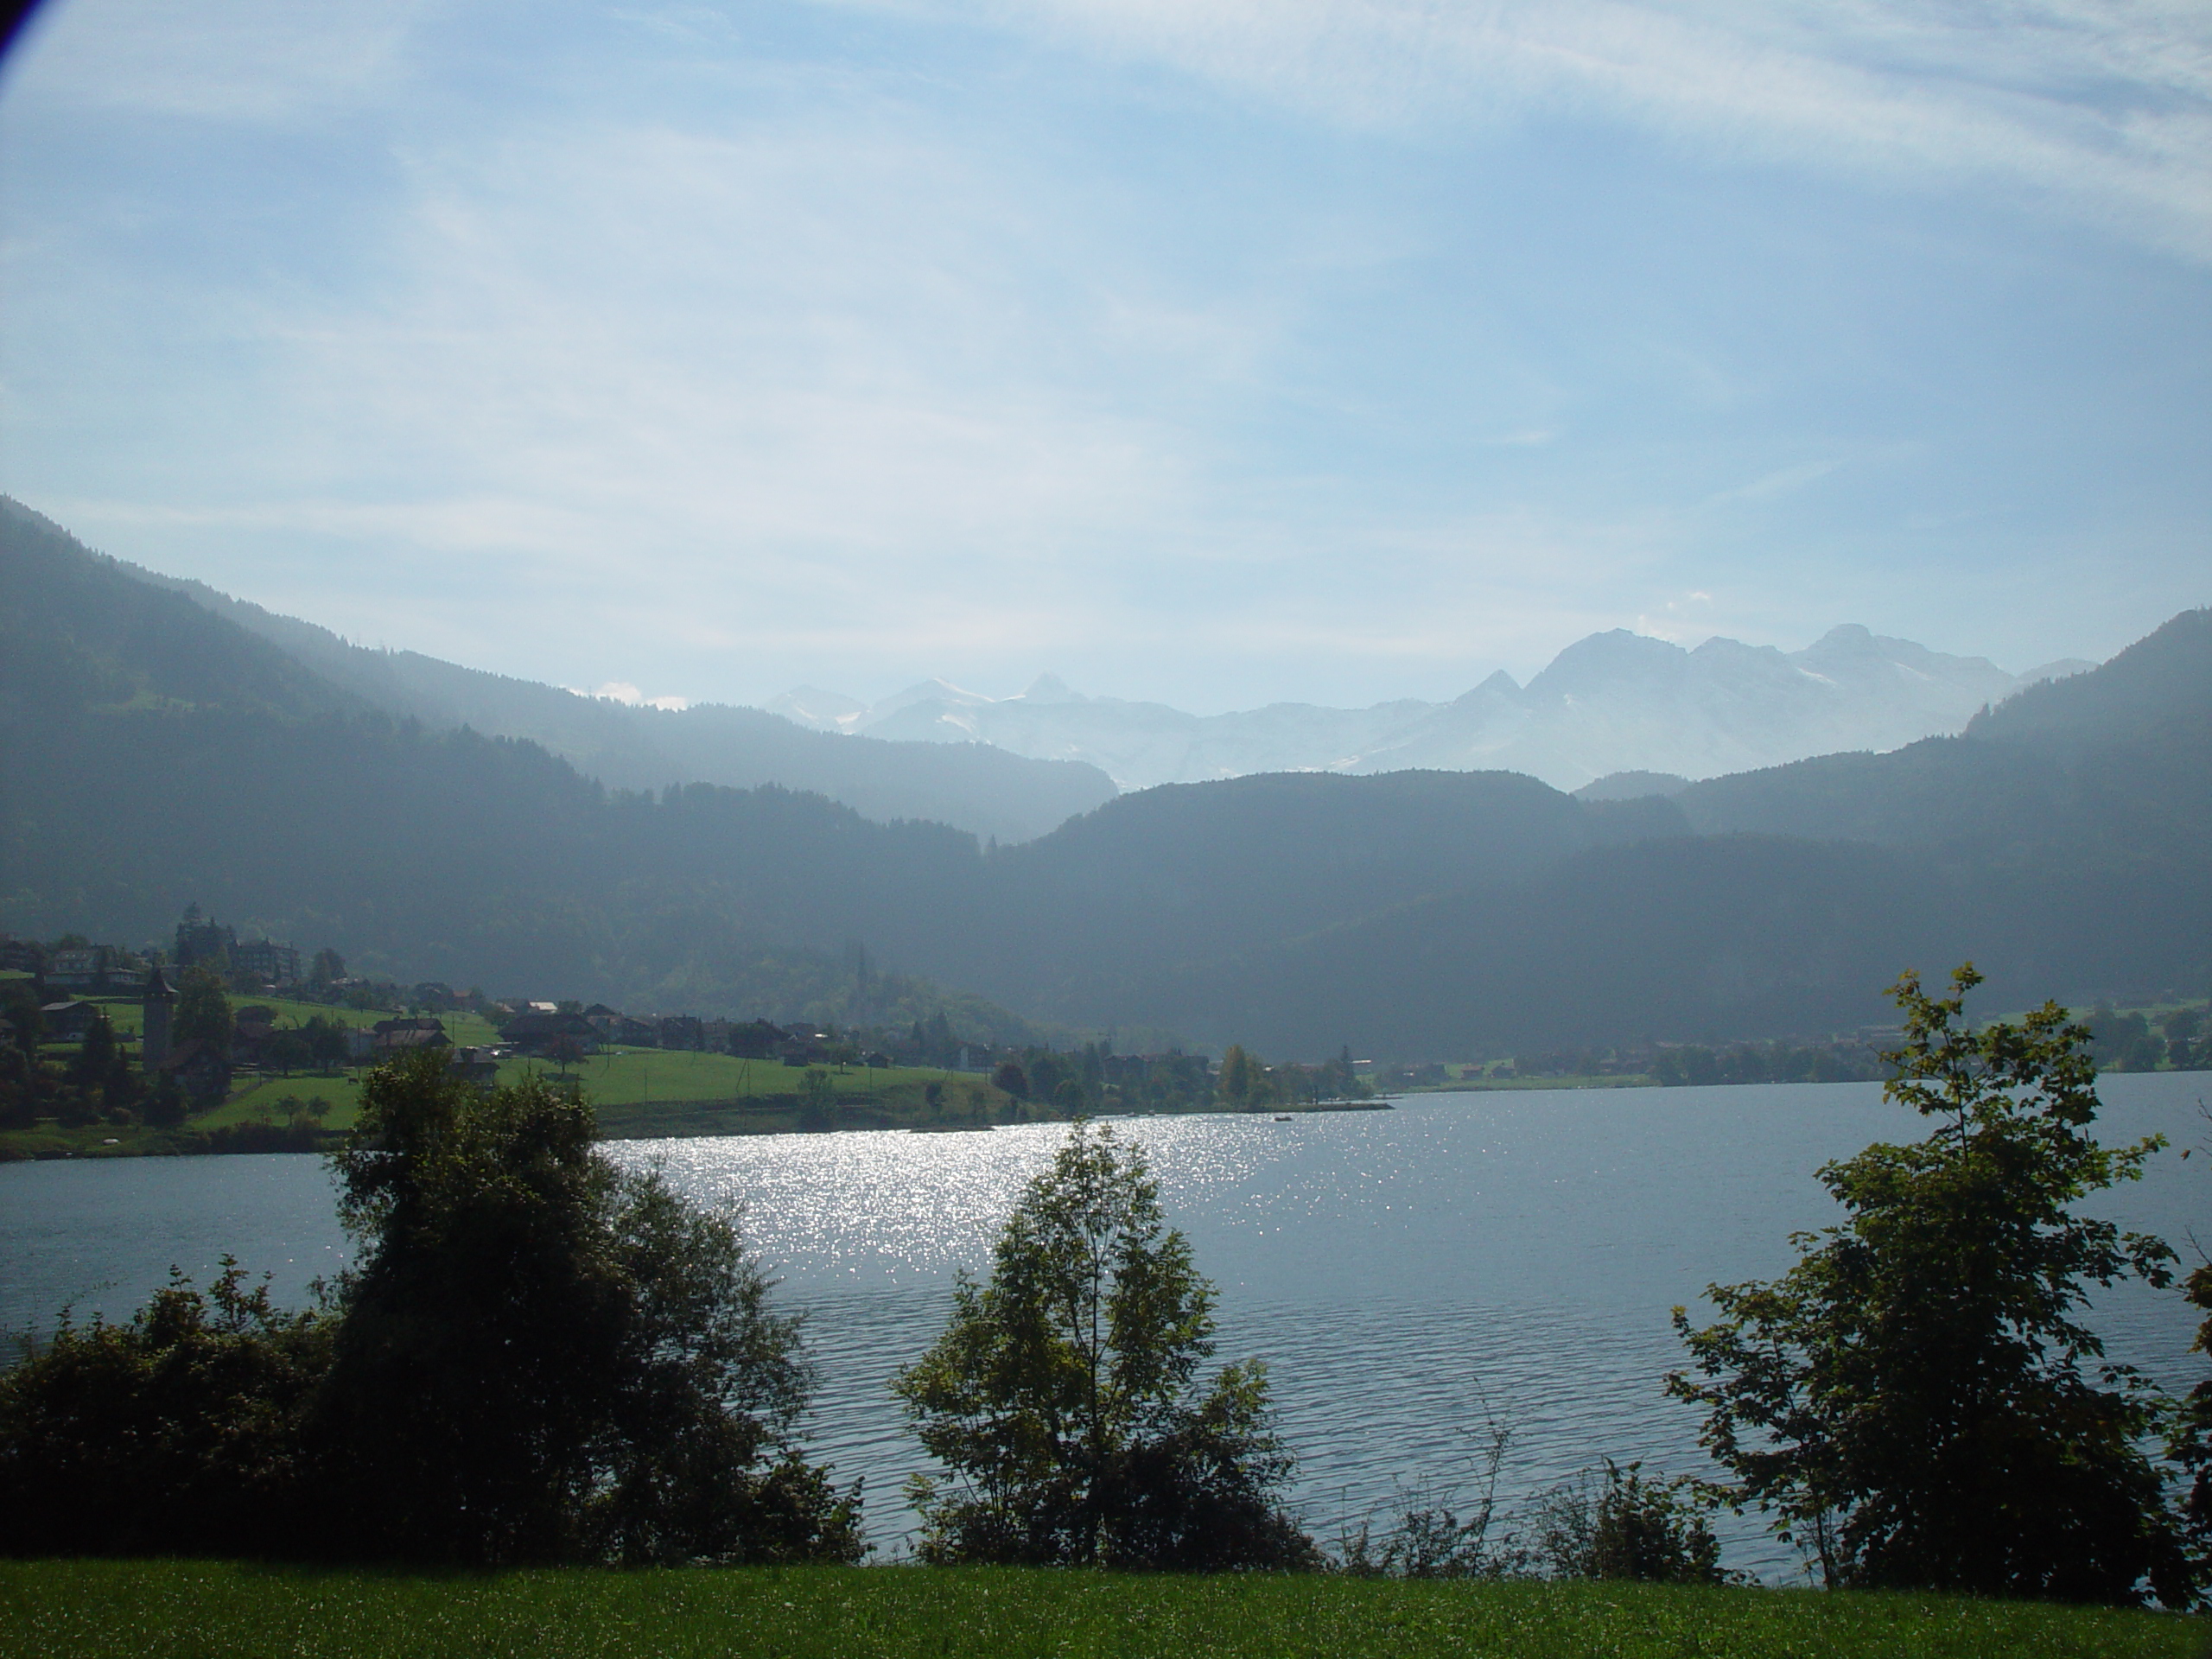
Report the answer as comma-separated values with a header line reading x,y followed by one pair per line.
x,y
1613,702
583,848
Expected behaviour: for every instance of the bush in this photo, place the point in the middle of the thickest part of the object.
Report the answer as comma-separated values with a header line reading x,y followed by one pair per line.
x,y
178,1432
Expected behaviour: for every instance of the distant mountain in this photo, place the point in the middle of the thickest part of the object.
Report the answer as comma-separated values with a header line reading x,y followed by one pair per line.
x,y
1613,702
154,753
2060,843
985,791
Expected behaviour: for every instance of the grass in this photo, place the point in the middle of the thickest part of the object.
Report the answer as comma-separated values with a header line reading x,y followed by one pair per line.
x,y
182,1610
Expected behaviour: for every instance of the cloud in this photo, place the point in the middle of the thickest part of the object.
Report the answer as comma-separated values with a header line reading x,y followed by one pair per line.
x,y
2103,107
629,696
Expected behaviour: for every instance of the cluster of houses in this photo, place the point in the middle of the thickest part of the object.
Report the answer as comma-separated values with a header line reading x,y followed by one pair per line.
x,y
549,1029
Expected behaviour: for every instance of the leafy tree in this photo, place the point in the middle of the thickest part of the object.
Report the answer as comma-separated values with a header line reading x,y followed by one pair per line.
x,y
1010,1078
543,1359
202,1010
1063,1395
287,1051
177,1433
326,1042
1237,1075
1914,1398
818,1093
100,1067
2192,1442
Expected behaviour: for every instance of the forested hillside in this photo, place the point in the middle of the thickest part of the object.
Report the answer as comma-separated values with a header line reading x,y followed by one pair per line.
x,y
153,754
972,785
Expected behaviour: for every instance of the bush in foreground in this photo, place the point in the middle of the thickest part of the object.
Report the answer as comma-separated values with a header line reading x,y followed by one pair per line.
x,y
539,1358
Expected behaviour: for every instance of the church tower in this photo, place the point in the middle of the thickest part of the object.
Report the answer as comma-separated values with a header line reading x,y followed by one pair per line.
x,y
153,1046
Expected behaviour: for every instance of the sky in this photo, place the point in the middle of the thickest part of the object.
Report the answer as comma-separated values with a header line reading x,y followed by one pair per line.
x,y
1211,352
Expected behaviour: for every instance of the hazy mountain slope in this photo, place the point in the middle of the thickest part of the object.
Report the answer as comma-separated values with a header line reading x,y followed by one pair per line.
x,y
1613,702
988,792
2063,847
1191,872
2118,758
77,628
2161,683
1706,938
154,753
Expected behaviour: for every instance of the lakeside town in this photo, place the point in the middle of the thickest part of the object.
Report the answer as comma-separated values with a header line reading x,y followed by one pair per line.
x,y
219,1042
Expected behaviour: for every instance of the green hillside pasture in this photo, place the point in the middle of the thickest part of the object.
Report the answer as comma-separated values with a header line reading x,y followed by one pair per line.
x,y
643,1093
169,1609
127,1013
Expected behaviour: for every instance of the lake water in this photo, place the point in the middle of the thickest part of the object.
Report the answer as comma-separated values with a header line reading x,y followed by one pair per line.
x,y
1410,1275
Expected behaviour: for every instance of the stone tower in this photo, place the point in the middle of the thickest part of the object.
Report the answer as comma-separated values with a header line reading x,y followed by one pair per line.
x,y
153,1046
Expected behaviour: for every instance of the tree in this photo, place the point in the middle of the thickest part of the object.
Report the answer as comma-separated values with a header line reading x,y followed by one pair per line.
x,y
1064,1395
326,1043
543,1358
1237,1071
817,1096
287,1051
202,1010
177,1433
1915,1398
2191,1444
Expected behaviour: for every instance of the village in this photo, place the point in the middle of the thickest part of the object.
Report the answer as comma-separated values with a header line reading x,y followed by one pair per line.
x,y
224,1043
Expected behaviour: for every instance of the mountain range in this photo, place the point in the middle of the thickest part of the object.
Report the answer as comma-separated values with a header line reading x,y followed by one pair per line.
x,y
1613,702
972,786
155,752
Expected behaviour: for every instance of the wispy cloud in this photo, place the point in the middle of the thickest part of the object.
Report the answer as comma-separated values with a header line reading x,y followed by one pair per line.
x,y
2103,109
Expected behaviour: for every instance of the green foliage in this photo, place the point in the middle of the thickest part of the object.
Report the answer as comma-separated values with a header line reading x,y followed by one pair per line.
x,y
1628,1527
203,1010
1063,1395
1914,1398
1238,1076
817,1094
2190,1443
538,1358
543,1359
181,1609
176,1433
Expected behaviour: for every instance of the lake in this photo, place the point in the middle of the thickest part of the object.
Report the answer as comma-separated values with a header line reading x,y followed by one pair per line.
x,y
1410,1275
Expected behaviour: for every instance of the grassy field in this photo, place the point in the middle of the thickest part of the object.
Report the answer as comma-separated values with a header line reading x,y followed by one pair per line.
x,y
172,1610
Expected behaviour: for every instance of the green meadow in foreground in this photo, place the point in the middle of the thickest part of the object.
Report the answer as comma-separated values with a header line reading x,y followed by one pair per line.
x,y
151,1610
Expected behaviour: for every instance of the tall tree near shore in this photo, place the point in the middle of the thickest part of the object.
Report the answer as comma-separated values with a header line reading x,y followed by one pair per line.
x,y
203,1010
1919,1400
541,1357
1064,1395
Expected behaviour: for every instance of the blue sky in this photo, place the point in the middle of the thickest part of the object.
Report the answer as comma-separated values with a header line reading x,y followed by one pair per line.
x,y
1334,350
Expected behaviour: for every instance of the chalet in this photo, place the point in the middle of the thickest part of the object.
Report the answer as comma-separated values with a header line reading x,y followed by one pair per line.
x,y
682,1030
202,1075
389,1038
20,957
67,1021
756,1039
536,1033
251,1028
475,1065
